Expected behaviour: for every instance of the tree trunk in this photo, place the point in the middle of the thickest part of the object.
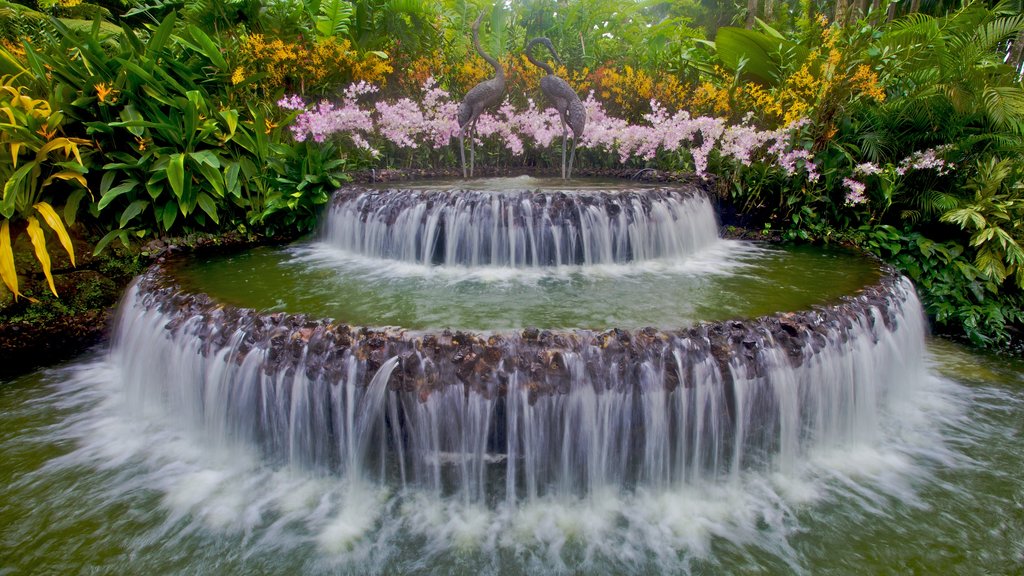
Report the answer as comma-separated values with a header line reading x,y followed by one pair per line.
x,y
842,12
890,12
751,12
862,9
769,10
1017,52
915,6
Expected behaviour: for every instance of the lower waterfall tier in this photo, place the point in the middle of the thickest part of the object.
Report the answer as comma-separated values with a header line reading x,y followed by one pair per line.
x,y
547,412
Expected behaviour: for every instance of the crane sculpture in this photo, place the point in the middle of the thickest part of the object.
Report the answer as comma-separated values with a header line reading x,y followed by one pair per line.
x,y
484,95
564,98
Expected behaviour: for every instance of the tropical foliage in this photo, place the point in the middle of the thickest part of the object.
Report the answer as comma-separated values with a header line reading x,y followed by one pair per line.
x,y
870,123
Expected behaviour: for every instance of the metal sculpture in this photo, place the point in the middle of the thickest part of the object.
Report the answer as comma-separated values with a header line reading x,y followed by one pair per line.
x,y
566,101
484,95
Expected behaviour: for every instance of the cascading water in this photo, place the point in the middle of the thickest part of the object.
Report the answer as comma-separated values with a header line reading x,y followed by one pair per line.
x,y
510,226
809,435
564,413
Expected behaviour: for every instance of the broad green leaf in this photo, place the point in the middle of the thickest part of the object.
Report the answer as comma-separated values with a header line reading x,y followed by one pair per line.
x,y
215,177
206,157
176,174
763,55
334,17
231,179
71,206
170,214
209,48
106,180
132,120
230,118
107,238
208,206
133,210
53,221
162,34
116,191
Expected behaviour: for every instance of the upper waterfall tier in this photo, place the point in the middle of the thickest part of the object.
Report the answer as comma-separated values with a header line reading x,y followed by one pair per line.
x,y
521,222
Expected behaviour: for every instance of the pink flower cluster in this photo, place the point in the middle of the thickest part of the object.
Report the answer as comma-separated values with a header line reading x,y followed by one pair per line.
x,y
432,123
325,119
926,160
855,193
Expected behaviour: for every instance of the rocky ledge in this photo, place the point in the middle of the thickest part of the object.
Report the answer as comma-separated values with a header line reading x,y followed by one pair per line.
x,y
549,361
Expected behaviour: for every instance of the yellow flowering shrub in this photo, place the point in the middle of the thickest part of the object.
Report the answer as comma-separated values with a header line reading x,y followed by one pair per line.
x,y
826,80
306,67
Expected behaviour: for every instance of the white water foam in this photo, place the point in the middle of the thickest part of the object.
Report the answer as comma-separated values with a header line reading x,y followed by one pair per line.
x,y
212,482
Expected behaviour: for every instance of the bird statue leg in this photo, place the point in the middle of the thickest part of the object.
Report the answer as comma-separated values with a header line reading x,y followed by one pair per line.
x,y
565,134
472,148
462,149
572,156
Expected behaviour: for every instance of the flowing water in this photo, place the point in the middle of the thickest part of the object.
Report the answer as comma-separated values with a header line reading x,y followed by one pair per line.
x,y
95,481
212,440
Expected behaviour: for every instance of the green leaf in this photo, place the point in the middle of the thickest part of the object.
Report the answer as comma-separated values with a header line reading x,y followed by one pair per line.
x,y
176,174
230,118
214,176
132,120
206,157
334,18
107,180
133,210
208,206
116,191
170,214
161,35
71,206
108,237
231,179
208,48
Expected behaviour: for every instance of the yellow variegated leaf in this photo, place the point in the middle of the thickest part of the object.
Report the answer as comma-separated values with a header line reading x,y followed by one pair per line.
x,y
35,234
66,175
15,148
10,113
50,147
54,221
7,271
72,148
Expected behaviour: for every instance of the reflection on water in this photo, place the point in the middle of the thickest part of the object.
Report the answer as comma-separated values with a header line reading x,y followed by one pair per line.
x,y
728,279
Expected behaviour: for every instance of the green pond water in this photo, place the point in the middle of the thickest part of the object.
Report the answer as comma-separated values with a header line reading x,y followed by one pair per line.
x,y
730,279
88,486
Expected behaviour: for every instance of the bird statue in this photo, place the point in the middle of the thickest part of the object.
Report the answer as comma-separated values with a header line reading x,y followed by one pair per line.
x,y
568,104
484,95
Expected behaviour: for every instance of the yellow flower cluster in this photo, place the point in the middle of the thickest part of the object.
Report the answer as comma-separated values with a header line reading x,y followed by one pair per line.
x,y
418,70
865,81
818,87
12,48
628,92
295,66
710,99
